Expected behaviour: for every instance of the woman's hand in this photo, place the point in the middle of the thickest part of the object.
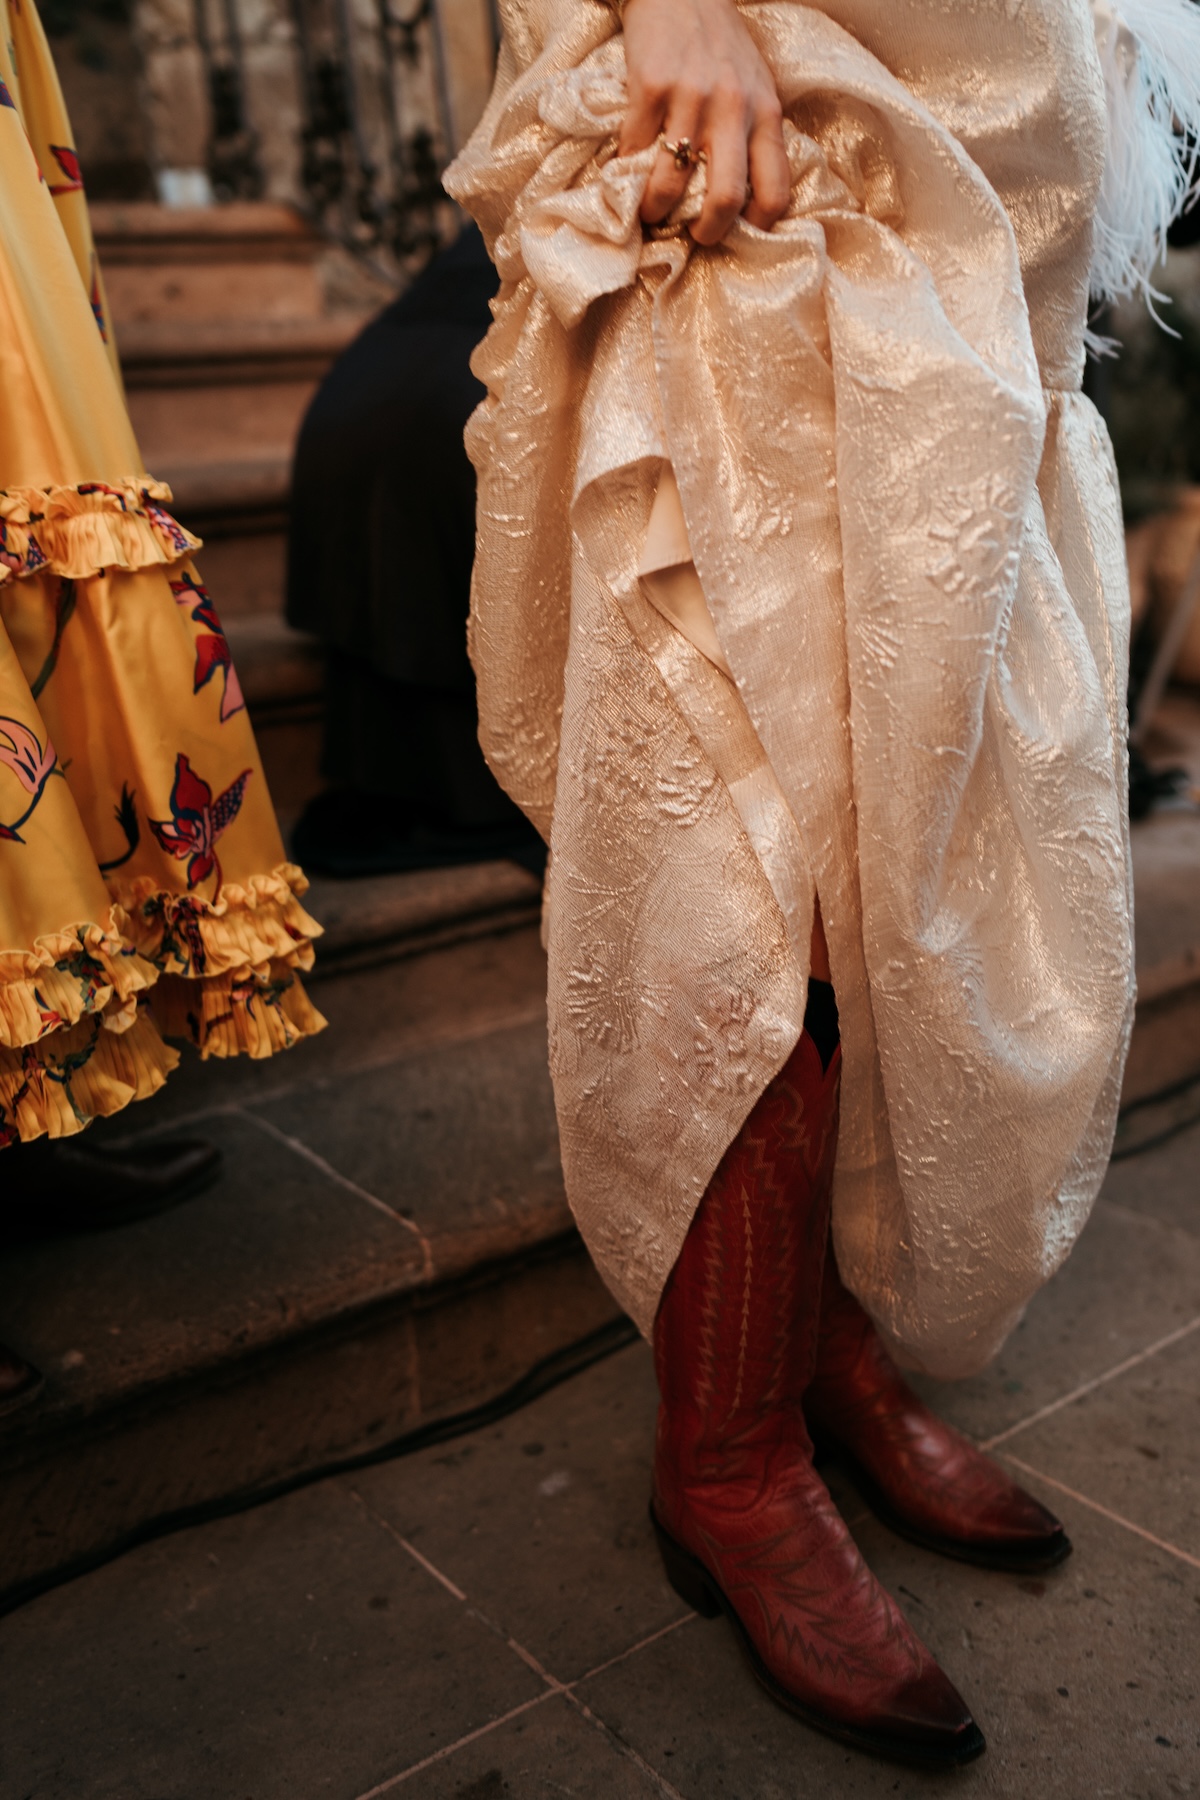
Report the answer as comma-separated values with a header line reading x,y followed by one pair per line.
x,y
695,72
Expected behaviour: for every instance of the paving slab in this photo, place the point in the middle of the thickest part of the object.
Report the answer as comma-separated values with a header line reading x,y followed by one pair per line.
x,y
1130,1281
1115,1629
549,1752
1133,1444
460,1139
544,1520
1173,1196
287,1654
1086,1681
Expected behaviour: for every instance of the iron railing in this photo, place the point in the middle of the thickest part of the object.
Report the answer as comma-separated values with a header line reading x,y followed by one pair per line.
x,y
371,111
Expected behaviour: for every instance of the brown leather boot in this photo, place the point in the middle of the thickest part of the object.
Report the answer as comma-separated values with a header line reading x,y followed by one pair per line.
x,y
19,1380
744,1523
925,1480
85,1184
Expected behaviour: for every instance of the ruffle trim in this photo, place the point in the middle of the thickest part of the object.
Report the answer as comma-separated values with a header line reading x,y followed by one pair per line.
x,y
76,531
249,926
83,1014
56,1088
70,975
256,1015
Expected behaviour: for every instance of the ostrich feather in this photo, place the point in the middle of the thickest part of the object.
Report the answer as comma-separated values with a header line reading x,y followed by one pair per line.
x,y
1150,54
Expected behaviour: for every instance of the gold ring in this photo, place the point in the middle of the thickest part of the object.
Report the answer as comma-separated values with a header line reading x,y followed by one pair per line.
x,y
685,157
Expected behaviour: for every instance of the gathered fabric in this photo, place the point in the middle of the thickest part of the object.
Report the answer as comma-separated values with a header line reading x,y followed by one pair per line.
x,y
902,517
144,888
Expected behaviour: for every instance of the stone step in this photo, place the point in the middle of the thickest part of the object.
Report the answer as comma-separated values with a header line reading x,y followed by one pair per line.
x,y
381,918
281,673
232,352
249,260
390,1244
237,498
1166,879
226,319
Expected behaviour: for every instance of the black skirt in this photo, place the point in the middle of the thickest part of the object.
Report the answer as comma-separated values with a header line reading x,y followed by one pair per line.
x,y
381,541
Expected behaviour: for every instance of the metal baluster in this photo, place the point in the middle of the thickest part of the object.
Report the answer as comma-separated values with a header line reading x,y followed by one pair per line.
x,y
234,166
370,212
417,155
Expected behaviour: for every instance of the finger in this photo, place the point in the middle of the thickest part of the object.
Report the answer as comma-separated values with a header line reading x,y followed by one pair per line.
x,y
668,179
770,175
644,119
727,169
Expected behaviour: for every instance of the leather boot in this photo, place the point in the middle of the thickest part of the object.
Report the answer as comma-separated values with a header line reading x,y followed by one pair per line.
x,y
744,1523
19,1380
925,1480
76,1184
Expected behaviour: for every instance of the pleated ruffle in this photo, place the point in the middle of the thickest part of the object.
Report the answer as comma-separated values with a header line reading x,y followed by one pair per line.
x,y
83,971
256,1013
248,925
83,1014
75,531
83,1072
228,967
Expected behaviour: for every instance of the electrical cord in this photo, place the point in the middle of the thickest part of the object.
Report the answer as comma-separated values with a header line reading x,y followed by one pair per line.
x,y
550,1373
1183,1122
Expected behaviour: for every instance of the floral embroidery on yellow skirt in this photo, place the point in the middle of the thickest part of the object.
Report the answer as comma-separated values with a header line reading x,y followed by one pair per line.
x,y
144,891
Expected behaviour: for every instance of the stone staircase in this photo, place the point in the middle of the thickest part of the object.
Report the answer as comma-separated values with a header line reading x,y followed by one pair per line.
x,y
226,319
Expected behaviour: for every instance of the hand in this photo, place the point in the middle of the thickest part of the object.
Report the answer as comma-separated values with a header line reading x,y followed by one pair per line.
x,y
695,72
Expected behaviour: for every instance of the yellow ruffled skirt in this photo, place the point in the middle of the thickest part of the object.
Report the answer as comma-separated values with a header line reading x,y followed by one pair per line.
x,y
144,891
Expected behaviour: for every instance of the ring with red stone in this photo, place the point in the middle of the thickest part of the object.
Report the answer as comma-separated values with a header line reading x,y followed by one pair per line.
x,y
685,157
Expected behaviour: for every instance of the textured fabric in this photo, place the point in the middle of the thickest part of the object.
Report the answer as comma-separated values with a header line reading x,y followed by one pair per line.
x,y
143,886
904,518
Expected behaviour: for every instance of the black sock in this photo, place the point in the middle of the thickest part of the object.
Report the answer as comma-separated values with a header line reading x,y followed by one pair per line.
x,y
821,1019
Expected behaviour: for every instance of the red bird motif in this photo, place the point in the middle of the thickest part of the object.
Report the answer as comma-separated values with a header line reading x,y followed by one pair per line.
x,y
68,162
197,821
212,646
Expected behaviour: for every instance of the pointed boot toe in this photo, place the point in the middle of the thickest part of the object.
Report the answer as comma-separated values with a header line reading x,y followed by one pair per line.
x,y
1016,1532
19,1380
74,1184
932,1723
926,1481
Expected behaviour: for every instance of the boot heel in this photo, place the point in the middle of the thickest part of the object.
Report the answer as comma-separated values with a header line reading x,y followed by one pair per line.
x,y
685,1575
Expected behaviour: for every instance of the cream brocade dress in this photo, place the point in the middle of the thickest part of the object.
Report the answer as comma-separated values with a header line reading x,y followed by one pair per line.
x,y
904,520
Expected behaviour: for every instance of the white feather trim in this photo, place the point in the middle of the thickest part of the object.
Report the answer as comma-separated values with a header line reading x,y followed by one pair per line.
x,y
1150,53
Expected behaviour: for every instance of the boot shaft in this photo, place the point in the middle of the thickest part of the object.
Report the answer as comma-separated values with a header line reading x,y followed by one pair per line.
x,y
736,1336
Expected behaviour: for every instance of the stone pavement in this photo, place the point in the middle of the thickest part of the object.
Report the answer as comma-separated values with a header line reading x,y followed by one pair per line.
x,y
390,1245
488,1619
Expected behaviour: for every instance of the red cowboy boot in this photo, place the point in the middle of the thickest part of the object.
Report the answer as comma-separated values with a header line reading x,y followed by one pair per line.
x,y
744,1523
925,1480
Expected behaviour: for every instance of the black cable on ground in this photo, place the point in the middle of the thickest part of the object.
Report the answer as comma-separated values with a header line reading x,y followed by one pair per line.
x,y
1162,1098
550,1373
